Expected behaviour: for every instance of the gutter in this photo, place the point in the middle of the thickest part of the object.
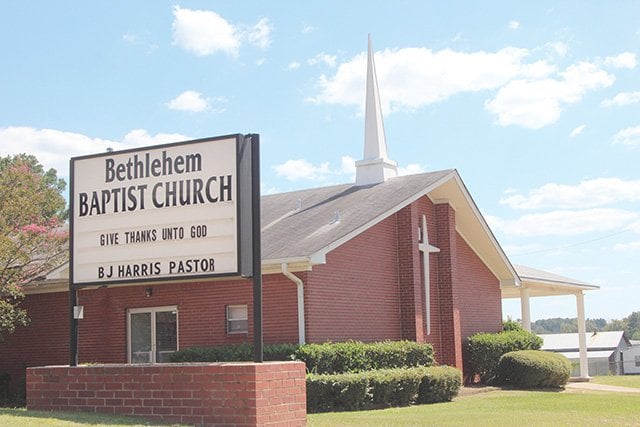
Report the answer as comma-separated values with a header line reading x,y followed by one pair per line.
x,y
300,292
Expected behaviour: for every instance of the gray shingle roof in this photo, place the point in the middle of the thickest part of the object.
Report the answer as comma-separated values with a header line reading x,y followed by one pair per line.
x,y
301,223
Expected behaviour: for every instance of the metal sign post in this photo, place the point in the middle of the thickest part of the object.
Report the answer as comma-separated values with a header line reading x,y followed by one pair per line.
x,y
257,252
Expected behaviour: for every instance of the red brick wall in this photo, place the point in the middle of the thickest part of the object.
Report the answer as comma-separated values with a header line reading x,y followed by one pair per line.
x,y
103,330
410,274
450,351
355,295
201,314
478,295
241,394
44,342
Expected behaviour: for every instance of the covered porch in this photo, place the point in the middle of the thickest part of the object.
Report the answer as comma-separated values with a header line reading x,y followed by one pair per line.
x,y
538,283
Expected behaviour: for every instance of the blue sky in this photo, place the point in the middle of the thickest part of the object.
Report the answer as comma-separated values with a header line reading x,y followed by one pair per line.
x,y
534,103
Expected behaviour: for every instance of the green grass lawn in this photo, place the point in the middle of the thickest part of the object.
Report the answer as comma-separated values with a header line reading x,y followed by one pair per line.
x,y
22,418
619,380
502,408
493,408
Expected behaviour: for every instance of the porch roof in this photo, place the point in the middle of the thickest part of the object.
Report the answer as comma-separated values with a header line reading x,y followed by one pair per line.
x,y
542,283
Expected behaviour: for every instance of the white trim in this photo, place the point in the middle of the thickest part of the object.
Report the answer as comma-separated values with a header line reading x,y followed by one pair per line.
x,y
426,250
300,297
485,226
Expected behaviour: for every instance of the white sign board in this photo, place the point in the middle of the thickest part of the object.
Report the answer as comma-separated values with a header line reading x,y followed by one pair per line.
x,y
158,213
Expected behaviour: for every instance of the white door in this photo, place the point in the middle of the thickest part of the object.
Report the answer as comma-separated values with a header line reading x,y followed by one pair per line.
x,y
153,334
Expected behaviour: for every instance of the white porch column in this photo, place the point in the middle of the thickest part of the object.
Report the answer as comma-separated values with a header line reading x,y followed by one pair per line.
x,y
582,336
525,308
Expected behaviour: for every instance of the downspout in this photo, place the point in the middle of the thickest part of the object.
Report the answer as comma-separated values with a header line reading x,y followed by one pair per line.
x,y
300,291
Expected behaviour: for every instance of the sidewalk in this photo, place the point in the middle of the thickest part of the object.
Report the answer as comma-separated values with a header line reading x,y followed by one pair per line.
x,y
600,387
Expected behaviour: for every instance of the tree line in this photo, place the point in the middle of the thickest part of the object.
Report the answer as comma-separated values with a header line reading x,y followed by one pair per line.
x,y
557,325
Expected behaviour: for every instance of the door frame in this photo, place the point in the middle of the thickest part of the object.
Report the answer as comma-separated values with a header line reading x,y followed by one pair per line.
x,y
153,311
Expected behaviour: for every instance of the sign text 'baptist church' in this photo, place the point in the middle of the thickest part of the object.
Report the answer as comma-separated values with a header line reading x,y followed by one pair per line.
x,y
166,212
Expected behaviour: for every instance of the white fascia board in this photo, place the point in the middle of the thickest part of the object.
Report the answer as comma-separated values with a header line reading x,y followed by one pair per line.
x,y
533,283
474,208
321,253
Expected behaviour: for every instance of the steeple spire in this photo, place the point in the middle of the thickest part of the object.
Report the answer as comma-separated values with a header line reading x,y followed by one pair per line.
x,y
375,167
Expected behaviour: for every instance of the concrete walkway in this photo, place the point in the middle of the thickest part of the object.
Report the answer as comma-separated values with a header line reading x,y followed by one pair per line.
x,y
600,387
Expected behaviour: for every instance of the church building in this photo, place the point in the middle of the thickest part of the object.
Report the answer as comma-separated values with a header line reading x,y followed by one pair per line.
x,y
384,258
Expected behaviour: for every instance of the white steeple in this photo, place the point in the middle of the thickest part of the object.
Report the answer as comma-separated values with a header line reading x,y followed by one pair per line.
x,y
375,167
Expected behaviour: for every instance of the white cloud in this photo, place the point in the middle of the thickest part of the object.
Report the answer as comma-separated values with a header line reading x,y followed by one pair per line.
x,y
141,138
204,32
623,60
577,131
587,194
635,227
323,58
565,222
53,148
514,25
632,246
294,170
301,169
411,78
559,48
512,250
259,34
306,29
410,169
140,40
628,136
348,166
534,104
189,100
621,99
294,65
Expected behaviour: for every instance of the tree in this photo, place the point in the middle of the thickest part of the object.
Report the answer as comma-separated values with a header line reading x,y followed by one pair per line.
x,y
33,239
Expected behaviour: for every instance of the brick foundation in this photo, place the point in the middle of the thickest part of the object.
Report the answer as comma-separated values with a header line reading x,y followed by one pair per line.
x,y
240,394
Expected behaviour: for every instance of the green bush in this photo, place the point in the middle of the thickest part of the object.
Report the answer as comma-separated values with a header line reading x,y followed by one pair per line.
x,y
339,392
511,325
533,369
233,353
486,349
354,356
381,388
439,384
394,387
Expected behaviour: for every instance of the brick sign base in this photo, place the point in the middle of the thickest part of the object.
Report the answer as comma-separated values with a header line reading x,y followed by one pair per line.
x,y
242,394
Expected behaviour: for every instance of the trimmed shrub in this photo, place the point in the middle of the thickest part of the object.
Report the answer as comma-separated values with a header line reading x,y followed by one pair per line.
x,y
382,388
394,387
486,349
340,392
533,369
355,356
233,353
439,384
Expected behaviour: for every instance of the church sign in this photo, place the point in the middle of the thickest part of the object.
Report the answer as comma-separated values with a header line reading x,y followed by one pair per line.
x,y
165,212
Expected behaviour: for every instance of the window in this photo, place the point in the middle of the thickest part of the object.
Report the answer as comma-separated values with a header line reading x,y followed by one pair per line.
x,y
237,320
152,334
